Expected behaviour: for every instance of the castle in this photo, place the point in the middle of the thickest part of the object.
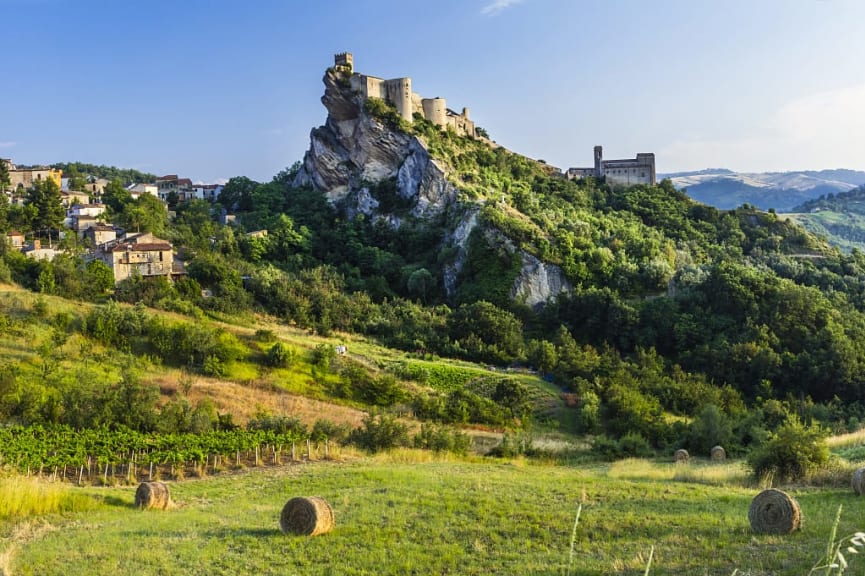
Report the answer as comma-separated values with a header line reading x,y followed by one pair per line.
x,y
639,170
398,92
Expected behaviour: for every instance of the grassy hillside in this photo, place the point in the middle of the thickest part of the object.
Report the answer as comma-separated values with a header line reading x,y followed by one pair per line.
x,y
65,363
840,218
401,515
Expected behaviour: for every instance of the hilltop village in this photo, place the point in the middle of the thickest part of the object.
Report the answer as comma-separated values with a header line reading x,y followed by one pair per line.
x,y
126,253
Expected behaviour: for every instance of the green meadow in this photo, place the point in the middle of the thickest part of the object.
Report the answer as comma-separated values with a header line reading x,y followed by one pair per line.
x,y
410,513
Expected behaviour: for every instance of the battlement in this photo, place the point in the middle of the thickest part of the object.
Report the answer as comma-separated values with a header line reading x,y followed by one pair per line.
x,y
344,60
398,91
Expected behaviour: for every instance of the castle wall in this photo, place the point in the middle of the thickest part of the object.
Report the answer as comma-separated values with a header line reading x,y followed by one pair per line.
x,y
460,124
435,110
399,92
630,172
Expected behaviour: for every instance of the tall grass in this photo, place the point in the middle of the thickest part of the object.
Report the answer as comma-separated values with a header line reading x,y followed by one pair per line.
x,y
848,440
23,497
712,474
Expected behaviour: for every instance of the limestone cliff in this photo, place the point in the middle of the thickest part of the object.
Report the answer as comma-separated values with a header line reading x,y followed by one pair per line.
x,y
354,150
538,282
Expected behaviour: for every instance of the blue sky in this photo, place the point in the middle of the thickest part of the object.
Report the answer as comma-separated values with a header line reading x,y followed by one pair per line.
x,y
211,89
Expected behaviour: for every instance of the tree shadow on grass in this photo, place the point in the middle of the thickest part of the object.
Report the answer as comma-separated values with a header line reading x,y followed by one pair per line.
x,y
236,532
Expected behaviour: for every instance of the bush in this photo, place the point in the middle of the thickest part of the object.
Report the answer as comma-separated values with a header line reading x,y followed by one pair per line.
x,y
629,446
328,430
512,445
710,428
379,432
280,356
791,453
441,440
278,424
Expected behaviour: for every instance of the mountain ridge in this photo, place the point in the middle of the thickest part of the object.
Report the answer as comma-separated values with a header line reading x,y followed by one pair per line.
x,y
782,191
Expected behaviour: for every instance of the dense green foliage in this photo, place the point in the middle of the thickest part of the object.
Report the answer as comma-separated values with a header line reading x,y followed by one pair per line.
x,y
92,171
686,324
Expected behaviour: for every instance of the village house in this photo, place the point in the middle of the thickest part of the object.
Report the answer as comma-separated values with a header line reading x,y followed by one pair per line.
x,y
138,190
208,192
97,186
142,254
99,234
70,197
37,252
172,184
16,240
21,179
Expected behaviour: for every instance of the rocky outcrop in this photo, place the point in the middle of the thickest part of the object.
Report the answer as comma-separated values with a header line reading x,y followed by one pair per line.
x,y
353,149
459,239
538,282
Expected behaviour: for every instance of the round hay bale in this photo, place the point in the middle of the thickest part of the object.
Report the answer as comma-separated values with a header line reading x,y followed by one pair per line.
x,y
681,455
152,495
858,481
307,516
718,453
774,512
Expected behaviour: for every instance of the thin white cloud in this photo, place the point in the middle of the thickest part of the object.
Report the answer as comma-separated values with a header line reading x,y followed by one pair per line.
x,y
7,144
497,6
822,130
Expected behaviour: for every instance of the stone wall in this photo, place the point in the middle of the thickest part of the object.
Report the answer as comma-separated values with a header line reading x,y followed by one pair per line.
x,y
398,91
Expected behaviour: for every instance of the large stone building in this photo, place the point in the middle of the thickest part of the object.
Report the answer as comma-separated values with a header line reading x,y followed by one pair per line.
x,y
21,179
398,92
141,254
639,170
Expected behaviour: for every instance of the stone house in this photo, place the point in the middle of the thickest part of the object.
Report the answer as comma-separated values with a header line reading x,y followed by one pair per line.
x,y
100,234
180,186
141,254
16,240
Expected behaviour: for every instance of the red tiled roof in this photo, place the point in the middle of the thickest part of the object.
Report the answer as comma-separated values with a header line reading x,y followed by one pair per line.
x,y
168,177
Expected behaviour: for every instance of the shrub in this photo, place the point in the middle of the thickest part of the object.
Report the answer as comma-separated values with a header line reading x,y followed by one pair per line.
x,y
379,432
791,453
710,428
328,430
441,440
280,356
631,445
278,424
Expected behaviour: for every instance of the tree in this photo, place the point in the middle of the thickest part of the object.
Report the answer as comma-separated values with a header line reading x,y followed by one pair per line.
x,y
46,202
115,196
77,181
98,278
420,282
147,214
5,180
237,191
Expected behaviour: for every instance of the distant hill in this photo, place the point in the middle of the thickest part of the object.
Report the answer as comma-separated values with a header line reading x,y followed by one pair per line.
x,y
782,191
839,217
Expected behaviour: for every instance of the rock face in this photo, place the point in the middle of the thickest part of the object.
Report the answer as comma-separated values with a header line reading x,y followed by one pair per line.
x,y
353,149
538,282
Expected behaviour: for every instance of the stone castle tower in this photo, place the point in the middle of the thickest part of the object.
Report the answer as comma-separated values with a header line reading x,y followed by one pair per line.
x,y
398,91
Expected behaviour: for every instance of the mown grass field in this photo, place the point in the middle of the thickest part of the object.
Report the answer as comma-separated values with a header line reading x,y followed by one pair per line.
x,y
408,513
